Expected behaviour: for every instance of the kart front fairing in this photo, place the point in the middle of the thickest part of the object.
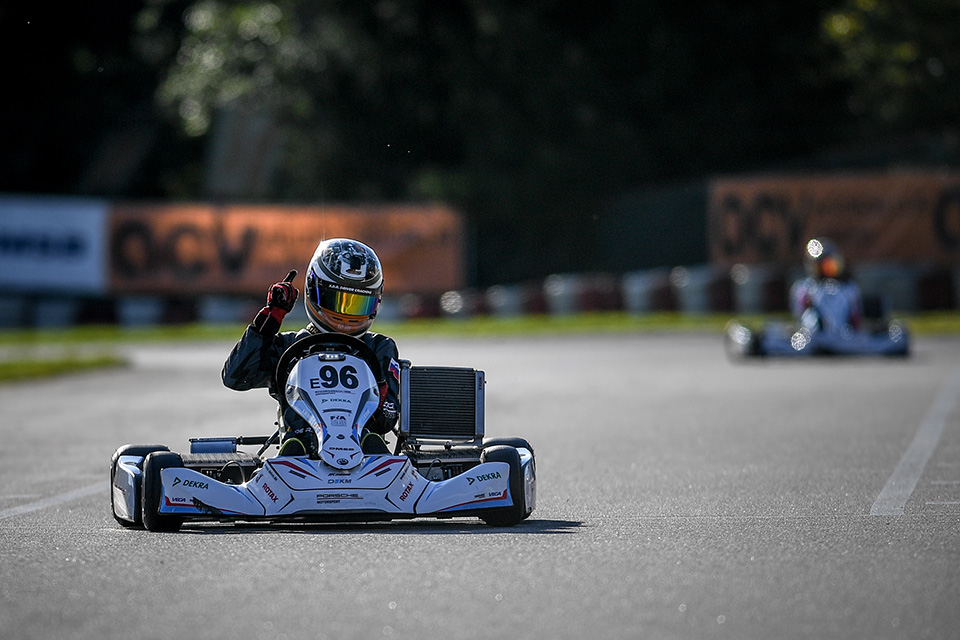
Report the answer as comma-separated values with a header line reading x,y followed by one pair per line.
x,y
294,487
787,340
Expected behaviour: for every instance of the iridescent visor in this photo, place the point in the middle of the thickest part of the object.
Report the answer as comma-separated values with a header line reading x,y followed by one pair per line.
x,y
831,267
346,303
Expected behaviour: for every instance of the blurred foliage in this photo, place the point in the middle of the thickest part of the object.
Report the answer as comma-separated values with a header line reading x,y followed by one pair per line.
x,y
531,117
527,116
902,60
77,96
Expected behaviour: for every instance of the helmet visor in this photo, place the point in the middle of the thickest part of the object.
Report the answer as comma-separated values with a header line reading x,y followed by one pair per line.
x,y
831,267
346,303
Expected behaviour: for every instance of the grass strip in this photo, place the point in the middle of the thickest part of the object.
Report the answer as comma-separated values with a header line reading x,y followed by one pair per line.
x,y
930,323
31,369
18,364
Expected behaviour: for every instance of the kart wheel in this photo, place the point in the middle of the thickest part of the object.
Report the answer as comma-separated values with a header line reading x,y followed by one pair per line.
x,y
514,514
152,492
130,450
517,443
740,341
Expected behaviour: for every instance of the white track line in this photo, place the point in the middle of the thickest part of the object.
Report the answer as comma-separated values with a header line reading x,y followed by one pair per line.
x,y
55,500
901,484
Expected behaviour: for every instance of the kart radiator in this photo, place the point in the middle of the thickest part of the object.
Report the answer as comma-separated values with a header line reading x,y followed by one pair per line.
x,y
441,403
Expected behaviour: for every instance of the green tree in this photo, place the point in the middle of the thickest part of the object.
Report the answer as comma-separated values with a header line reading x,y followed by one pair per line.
x,y
528,116
902,60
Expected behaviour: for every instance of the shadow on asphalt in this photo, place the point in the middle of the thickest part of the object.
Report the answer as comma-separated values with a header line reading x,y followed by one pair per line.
x,y
419,527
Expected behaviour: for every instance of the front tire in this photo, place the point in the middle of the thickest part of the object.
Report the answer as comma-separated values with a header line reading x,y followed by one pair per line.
x,y
740,341
152,491
514,514
141,450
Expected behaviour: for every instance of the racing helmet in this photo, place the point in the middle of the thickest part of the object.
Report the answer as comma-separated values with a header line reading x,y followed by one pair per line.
x,y
344,285
823,260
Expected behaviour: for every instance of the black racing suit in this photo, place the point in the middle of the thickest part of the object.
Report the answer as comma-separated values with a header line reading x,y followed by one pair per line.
x,y
253,361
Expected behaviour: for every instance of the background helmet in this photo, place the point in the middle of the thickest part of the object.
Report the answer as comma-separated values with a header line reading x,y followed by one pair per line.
x,y
344,285
823,260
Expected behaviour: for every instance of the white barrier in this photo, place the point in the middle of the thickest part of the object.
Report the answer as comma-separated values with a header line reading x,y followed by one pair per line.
x,y
55,245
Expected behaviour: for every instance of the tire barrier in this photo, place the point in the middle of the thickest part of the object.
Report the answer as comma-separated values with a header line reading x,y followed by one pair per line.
x,y
692,290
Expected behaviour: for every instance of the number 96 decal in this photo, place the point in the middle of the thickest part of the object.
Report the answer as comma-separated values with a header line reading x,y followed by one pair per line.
x,y
331,378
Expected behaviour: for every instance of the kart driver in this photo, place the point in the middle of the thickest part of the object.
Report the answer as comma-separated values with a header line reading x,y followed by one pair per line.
x,y
826,274
344,285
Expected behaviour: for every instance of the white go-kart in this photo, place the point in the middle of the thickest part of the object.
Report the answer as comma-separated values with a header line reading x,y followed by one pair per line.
x,y
442,467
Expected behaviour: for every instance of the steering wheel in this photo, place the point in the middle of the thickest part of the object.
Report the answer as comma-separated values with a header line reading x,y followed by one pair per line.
x,y
325,343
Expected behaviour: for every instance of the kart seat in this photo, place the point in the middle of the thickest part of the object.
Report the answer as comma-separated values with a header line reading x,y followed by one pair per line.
x,y
441,404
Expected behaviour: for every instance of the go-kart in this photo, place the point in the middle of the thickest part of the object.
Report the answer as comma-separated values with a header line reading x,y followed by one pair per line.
x,y
822,330
442,466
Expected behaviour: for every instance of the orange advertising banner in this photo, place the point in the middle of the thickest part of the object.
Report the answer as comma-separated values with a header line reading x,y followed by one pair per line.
x,y
905,217
239,250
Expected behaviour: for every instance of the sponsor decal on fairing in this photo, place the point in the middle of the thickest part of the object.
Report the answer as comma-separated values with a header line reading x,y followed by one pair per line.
x,y
193,484
483,477
270,494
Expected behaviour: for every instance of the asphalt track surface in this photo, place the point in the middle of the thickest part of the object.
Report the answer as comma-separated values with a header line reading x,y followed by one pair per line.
x,y
681,495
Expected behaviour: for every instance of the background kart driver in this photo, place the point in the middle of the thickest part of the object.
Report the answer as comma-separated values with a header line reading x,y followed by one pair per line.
x,y
344,286
826,272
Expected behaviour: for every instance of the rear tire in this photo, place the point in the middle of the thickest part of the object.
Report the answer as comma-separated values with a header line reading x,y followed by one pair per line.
x,y
130,450
152,492
514,514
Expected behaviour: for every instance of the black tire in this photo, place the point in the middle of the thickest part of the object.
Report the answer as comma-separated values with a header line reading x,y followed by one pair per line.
x,y
518,443
514,514
741,342
153,464
130,450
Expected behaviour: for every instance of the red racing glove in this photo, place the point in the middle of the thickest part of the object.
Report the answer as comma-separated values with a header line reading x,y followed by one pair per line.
x,y
280,300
